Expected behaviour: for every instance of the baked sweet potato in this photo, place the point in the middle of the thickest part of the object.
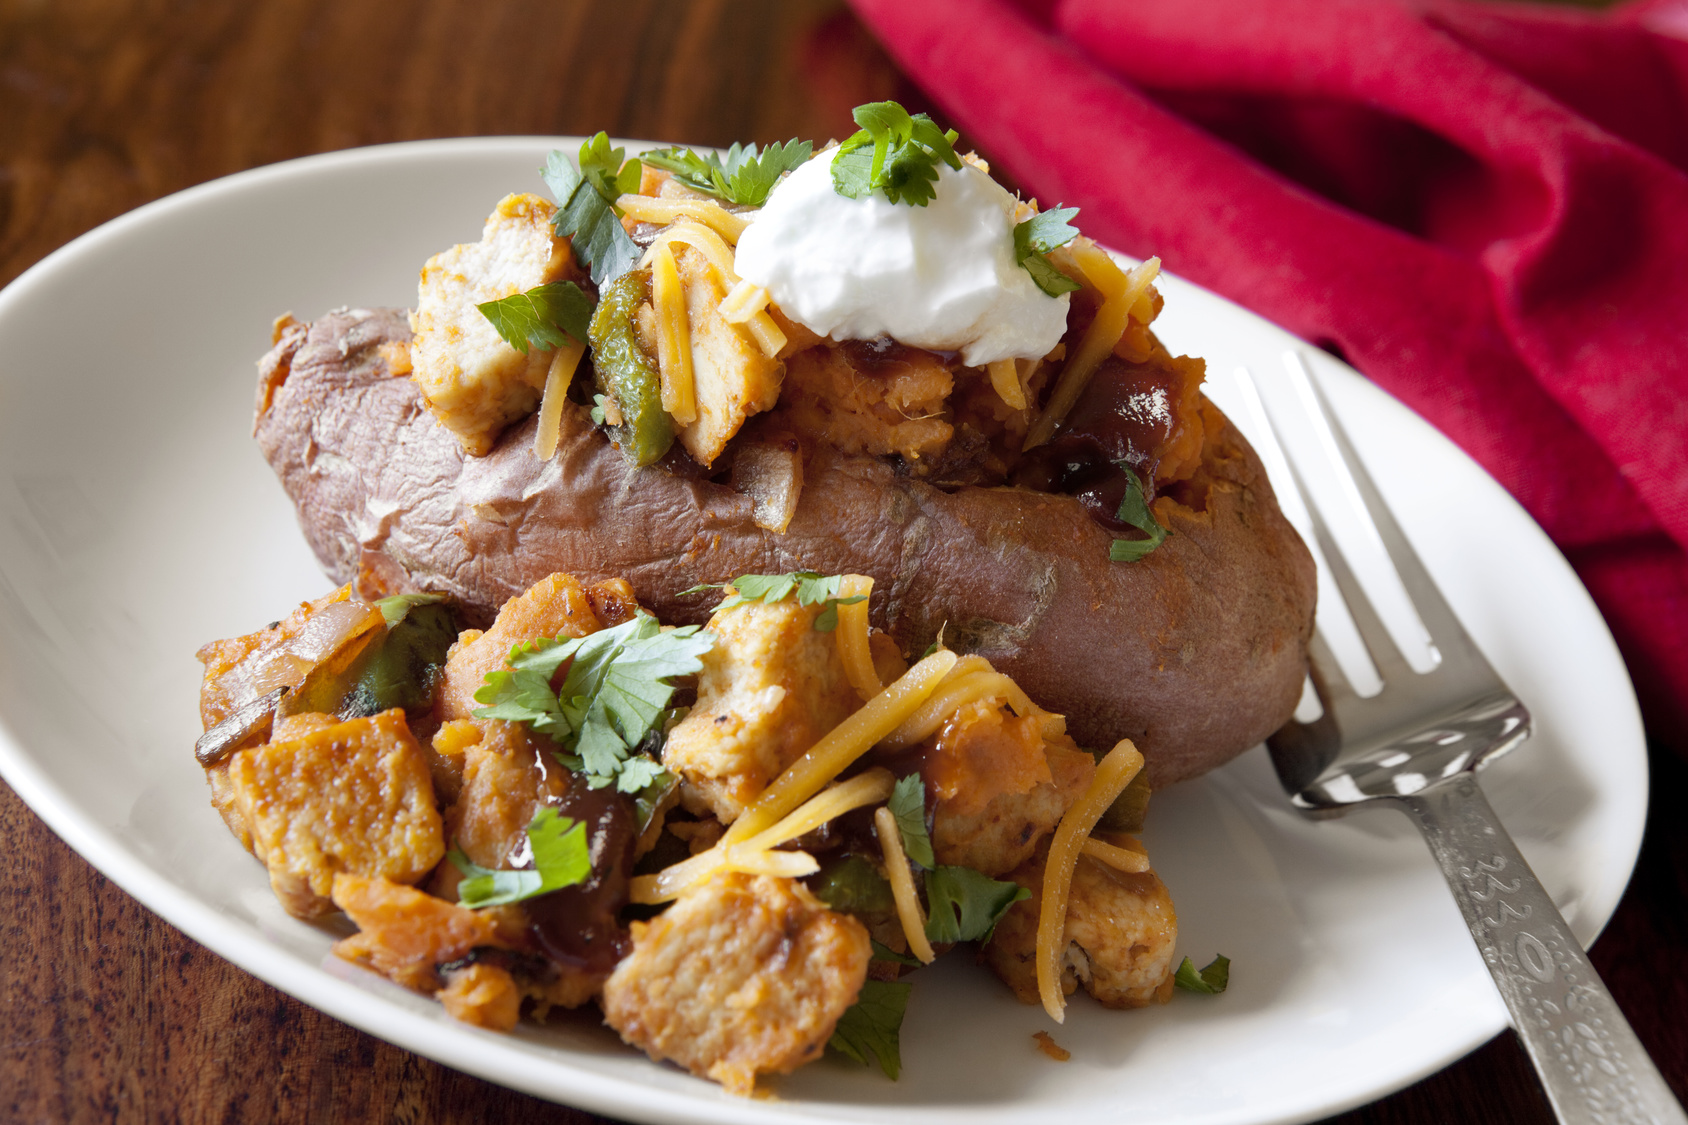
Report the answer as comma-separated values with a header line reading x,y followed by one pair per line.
x,y
1195,652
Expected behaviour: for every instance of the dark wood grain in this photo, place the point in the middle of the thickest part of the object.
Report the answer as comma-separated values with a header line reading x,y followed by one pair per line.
x,y
107,1013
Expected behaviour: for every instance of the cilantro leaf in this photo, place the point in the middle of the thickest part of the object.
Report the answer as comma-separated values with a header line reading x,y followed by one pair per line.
x,y
560,859
545,317
1035,238
1212,980
903,160
882,952
618,686
608,169
1134,510
811,588
743,177
966,904
908,808
872,1025
853,885
586,213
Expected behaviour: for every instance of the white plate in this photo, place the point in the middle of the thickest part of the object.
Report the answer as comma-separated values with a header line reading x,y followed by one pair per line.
x,y
137,521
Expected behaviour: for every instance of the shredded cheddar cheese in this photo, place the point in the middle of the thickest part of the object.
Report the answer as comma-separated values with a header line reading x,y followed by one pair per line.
x,y
1120,859
743,303
852,636
842,745
674,337
557,381
865,789
978,681
1005,379
649,209
1113,774
902,884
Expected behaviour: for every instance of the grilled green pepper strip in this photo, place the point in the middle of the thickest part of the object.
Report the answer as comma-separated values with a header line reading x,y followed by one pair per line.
x,y
402,670
626,374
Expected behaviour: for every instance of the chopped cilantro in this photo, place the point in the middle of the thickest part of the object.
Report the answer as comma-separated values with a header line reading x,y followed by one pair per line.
x,y
586,212
811,588
1211,980
598,409
618,687
903,160
1134,510
560,859
853,885
908,808
871,1026
744,177
545,317
965,905
883,952
1035,238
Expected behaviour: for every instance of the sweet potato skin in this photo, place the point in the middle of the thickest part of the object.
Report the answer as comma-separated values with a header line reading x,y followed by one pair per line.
x,y
1195,653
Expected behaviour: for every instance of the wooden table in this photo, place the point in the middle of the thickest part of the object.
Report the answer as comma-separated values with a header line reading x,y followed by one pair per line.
x,y
107,1012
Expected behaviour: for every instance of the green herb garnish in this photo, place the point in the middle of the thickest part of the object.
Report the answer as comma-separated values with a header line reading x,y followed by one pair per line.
x,y
962,904
883,952
1212,980
1134,510
545,317
965,905
586,213
853,885
1035,238
871,1026
903,162
743,177
908,809
618,687
811,587
560,859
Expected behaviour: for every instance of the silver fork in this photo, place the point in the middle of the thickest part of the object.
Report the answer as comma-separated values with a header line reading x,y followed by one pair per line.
x,y
1417,746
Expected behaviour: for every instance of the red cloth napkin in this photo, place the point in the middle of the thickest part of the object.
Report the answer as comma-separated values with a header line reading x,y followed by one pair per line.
x,y
1482,207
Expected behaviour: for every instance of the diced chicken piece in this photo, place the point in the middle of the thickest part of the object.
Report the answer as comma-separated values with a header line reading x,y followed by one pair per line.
x,y
483,994
769,689
868,399
1120,933
353,798
474,382
745,975
404,934
733,379
998,787
551,607
507,775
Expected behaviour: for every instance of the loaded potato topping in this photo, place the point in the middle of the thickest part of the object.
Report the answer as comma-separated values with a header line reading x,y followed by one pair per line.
x,y
735,839
884,297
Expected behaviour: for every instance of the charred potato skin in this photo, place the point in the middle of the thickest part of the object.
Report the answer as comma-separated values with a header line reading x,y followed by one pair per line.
x,y
1196,653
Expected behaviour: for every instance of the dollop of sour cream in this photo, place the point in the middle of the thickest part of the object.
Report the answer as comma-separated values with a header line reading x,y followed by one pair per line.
x,y
941,277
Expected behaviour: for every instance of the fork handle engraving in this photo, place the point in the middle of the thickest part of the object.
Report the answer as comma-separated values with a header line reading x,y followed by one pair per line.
x,y
1594,1068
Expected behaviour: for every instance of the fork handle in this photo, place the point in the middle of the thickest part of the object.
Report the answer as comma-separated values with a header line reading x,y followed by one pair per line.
x,y
1594,1068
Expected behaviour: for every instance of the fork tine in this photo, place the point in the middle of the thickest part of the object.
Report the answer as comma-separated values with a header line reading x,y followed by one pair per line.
x,y
1386,656
1446,633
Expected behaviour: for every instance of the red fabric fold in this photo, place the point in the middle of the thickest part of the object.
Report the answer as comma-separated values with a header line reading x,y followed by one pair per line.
x,y
1484,208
